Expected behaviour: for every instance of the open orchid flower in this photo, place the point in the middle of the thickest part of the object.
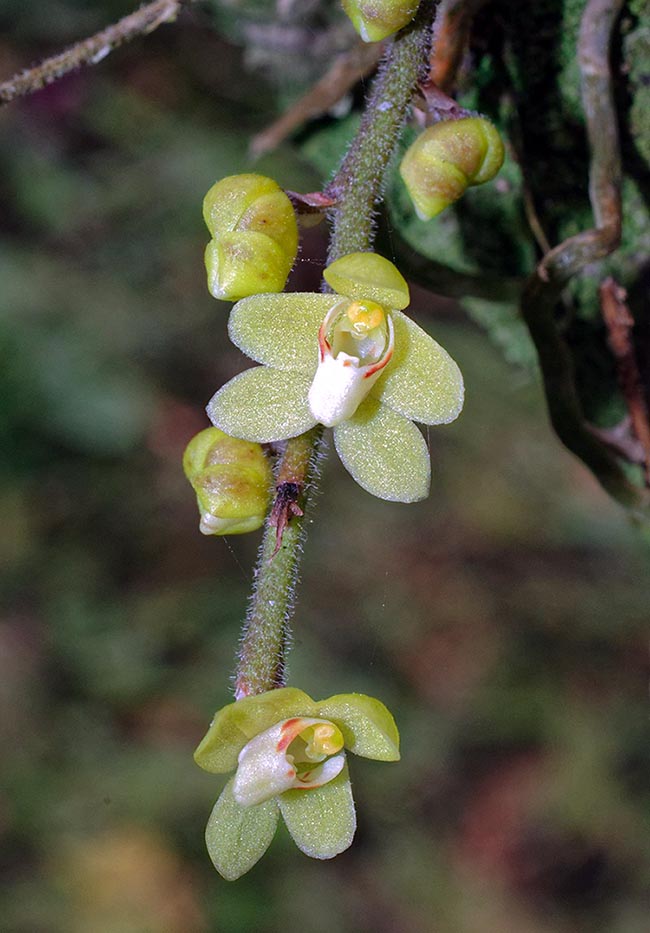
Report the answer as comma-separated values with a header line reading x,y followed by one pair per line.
x,y
351,361
288,753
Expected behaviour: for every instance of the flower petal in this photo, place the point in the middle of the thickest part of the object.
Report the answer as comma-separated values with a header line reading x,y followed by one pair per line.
x,y
367,725
237,837
263,405
236,724
368,275
384,452
280,330
322,821
422,381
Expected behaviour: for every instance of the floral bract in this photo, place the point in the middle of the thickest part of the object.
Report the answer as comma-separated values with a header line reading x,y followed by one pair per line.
x,y
351,361
289,754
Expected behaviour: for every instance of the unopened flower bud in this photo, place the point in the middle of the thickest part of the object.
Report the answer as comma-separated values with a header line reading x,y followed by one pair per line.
x,y
375,20
446,159
254,237
231,479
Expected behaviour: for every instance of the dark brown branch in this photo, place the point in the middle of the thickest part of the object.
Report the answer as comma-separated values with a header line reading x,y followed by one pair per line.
x,y
346,71
92,50
557,267
620,323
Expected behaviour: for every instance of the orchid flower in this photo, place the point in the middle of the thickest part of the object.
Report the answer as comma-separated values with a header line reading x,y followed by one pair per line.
x,y
288,754
351,361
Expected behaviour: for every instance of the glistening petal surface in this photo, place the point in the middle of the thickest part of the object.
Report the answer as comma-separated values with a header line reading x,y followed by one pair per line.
x,y
237,837
280,330
263,405
422,381
367,725
322,821
236,724
385,453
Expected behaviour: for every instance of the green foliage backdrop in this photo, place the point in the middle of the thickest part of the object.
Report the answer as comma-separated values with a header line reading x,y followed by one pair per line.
x,y
503,621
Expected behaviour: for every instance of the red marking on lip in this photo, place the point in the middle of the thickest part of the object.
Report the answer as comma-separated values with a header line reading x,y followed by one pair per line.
x,y
380,365
323,343
288,734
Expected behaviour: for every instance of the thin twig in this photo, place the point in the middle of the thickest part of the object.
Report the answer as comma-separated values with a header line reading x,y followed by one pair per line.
x,y
92,50
620,323
557,267
346,71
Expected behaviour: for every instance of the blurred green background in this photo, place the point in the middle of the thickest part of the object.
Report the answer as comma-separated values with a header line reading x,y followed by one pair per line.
x,y
504,620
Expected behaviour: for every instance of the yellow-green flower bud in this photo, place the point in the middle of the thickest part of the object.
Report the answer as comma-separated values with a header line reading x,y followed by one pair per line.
x,y
254,237
375,20
231,479
446,159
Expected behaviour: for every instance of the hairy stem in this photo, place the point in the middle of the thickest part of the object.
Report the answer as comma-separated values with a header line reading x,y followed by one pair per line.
x,y
357,188
91,50
266,630
358,183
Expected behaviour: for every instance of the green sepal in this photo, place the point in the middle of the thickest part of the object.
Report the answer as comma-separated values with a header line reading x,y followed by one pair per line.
x,y
245,263
273,215
321,821
280,330
368,727
236,724
384,452
196,453
263,405
368,275
237,837
422,382
234,492
229,198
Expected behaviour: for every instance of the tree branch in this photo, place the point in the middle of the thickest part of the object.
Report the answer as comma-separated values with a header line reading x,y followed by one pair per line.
x,y
558,266
620,323
346,71
92,50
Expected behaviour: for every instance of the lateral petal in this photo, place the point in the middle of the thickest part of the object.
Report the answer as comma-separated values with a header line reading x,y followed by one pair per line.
x,y
384,452
422,381
236,724
367,725
280,330
263,405
237,837
321,822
